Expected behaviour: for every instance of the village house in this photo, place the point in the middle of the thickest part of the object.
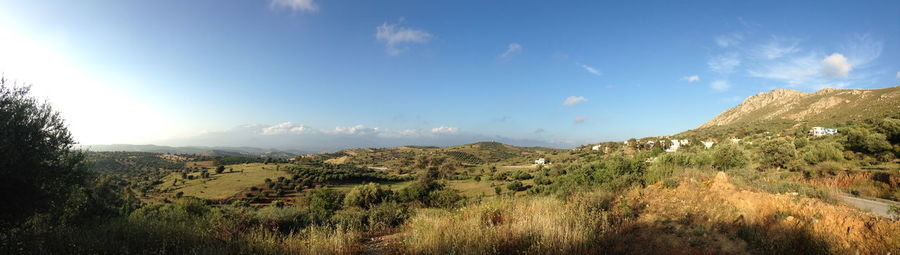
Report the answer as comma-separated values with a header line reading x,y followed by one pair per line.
x,y
708,144
820,131
675,145
595,148
540,161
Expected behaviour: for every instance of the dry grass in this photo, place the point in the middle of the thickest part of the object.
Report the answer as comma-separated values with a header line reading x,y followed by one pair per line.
x,y
703,215
533,225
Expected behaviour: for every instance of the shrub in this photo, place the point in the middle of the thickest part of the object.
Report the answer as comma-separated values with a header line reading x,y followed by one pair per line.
x,y
821,152
777,154
323,203
220,169
515,186
445,198
729,156
367,195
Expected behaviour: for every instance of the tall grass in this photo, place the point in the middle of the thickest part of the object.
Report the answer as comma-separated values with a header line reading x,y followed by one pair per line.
x,y
538,225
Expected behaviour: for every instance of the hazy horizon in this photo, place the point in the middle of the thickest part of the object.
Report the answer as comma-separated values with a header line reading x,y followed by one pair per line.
x,y
324,75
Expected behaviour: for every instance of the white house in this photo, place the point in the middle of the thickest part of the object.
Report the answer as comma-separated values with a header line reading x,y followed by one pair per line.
x,y
595,148
675,145
820,131
540,161
708,144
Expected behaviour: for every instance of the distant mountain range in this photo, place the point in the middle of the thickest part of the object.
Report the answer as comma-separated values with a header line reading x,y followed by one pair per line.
x,y
198,150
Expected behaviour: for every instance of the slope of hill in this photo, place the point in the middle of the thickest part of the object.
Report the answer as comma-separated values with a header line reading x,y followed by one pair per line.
x,y
824,107
468,154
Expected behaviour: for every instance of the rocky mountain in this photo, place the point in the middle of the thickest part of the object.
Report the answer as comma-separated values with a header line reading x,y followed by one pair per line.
x,y
824,107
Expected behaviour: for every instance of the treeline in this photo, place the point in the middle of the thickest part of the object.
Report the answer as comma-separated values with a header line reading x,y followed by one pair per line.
x,y
321,172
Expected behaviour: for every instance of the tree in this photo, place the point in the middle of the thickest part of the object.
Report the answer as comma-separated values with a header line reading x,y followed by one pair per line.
x,y
777,154
220,169
39,168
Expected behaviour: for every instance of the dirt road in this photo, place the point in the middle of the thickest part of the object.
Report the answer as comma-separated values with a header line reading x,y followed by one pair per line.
x,y
879,206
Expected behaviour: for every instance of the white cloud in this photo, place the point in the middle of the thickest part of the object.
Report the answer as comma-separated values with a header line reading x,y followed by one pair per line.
x,y
720,85
445,130
729,40
574,100
513,48
395,36
591,69
692,78
725,63
580,119
296,5
898,75
783,60
836,65
285,128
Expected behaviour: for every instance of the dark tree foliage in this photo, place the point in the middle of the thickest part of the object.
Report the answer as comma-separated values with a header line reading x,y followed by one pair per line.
x,y
39,168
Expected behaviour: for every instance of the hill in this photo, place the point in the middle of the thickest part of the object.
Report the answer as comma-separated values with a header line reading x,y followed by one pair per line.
x,y
781,109
466,155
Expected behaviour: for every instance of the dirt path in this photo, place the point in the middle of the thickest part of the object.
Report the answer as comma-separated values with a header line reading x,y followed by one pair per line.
x,y
879,207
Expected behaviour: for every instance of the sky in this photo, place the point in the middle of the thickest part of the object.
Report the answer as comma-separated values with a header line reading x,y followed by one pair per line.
x,y
327,74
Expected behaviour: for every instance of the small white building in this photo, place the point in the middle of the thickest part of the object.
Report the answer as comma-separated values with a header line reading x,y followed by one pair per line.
x,y
820,131
540,161
708,144
675,145
595,148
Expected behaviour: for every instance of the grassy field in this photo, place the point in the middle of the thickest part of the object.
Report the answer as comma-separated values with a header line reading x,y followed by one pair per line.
x,y
224,185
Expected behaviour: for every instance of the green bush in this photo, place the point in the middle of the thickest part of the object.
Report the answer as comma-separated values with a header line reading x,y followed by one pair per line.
x,y
727,156
777,154
367,195
515,186
821,152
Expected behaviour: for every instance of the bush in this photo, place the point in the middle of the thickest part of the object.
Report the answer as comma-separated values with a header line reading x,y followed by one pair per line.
x,y
445,198
323,203
367,195
729,156
515,186
821,152
777,154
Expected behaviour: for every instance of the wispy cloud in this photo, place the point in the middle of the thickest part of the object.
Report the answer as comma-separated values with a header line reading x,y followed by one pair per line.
x,y
814,70
574,100
724,63
776,48
898,75
539,130
591,69
720,85
511,49
580,119
296,5
394,37
729,40
692,78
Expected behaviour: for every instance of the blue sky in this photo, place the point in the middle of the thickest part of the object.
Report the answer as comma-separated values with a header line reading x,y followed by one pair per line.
x,y
296,73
